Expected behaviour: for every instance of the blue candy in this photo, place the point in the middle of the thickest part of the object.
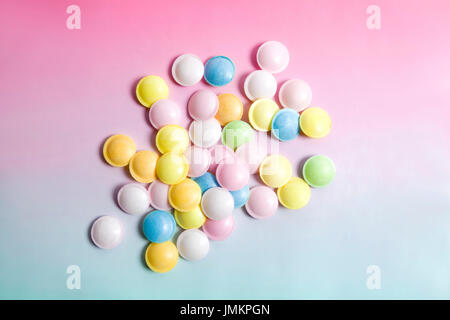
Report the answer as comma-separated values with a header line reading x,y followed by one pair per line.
x,y
285,124
240,196
159,226
219,71
206,181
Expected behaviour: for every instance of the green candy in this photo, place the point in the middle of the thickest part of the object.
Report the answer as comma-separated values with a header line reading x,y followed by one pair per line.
x,y
319,171
236,133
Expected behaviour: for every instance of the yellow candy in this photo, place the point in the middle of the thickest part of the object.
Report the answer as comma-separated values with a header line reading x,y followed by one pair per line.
x,y
161,257
190,220
151,89
185,196
230,108
295,194
261,113
118,150
172,168
275,170
172,138
315,122
142,166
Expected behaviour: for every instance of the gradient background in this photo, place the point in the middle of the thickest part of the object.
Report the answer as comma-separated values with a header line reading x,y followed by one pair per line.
x,y
64,91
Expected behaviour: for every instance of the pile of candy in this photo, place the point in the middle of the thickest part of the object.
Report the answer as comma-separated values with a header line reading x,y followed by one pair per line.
x,y
219,161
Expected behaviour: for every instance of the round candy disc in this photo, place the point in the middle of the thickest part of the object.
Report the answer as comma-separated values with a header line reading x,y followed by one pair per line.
x,y
252,153
219,229
133,198
206,181
159,195
315,122
260,84
164,112
193,245
272,56
161,257
236,133
198,159
172,138
187,69
285,124
159,226
151,89
219,154
262,202
107,232
217,203
206,133
203,105
319,171
219,71
230,108
185,196
295,94
275,170
295,194
240,196
190,220
142,166
232,175
261,113
118,150
172,168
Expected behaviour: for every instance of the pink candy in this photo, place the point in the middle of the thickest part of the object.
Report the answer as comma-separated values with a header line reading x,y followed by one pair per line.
x,y
203,105
198,160
232,175
164,112
262,202
218,229
159,195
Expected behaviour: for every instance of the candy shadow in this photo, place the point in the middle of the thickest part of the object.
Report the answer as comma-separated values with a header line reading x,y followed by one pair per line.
x,y
253,53
242,78
88,233
100,151
140,226
133,90
142,257
116,192
203,78
301,164
152,137
169,69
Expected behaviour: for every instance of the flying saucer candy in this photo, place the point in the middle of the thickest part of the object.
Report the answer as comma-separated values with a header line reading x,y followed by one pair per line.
x,y
272,56
187,69
295,94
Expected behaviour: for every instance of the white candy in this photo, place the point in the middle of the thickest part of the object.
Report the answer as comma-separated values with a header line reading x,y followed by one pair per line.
x,y
133,199
295,94
206,133
193,244
107,232
260,84
217,203
187,69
